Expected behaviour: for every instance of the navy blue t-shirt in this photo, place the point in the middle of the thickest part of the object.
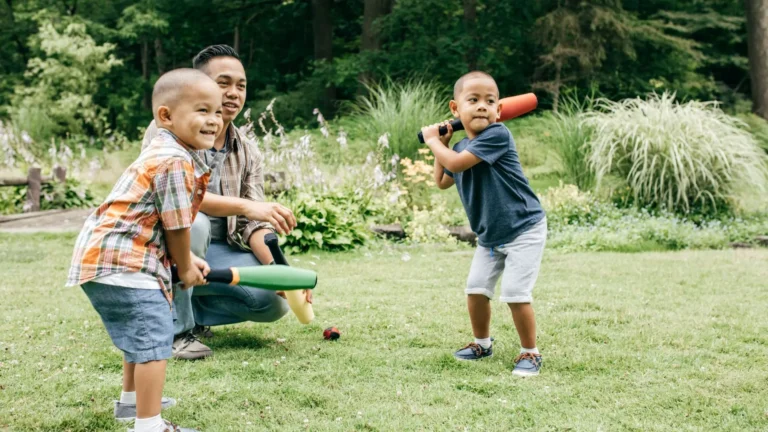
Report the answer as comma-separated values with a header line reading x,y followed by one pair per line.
x,y
499,202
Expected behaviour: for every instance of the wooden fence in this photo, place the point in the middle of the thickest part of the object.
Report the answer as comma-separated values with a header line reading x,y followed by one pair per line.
x,y
34,182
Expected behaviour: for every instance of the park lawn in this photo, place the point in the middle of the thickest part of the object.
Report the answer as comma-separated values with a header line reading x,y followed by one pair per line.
x,y
641,342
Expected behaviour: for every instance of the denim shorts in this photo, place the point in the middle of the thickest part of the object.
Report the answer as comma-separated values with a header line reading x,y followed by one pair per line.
x,y
519,261
139,321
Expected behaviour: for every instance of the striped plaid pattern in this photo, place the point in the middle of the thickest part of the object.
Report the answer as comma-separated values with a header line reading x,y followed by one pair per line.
x,y
161,190
242,176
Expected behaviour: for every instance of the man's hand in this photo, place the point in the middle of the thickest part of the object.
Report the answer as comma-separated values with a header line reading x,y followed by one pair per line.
x,y
433,131
280,217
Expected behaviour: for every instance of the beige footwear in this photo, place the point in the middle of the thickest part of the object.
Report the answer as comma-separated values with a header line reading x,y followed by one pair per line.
x,y
189,347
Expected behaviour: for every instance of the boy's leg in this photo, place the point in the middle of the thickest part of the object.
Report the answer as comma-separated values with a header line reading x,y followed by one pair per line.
x,y
481,283
149,379
128,373
220,304
521,269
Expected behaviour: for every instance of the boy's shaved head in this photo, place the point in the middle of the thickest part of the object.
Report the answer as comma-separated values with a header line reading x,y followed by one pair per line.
x,y
459,86
169,88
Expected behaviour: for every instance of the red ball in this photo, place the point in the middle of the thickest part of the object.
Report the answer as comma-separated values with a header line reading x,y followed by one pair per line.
x,y
331,333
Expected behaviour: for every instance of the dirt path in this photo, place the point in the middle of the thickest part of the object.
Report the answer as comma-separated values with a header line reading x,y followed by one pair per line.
x,y
45,221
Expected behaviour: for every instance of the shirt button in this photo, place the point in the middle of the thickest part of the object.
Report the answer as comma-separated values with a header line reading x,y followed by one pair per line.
x,y
199,191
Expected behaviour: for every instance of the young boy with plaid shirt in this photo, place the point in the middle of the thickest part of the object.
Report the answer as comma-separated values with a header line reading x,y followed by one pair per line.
x,y
123,255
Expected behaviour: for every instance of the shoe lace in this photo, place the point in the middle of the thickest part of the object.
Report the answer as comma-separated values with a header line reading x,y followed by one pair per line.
x,y
190,337
170,427
476,348
528,356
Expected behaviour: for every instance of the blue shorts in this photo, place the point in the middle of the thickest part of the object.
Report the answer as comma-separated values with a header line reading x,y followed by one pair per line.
x,y
139,321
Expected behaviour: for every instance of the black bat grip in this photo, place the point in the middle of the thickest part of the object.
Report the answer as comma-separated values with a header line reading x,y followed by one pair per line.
x,y
218,275
272,243
457,126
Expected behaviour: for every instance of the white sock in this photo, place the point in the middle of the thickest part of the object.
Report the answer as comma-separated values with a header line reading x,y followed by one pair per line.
x,y
128,398
533,350
152,424
485,343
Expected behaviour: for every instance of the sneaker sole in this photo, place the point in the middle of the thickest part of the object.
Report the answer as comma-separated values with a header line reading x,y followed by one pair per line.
x,y
464,359
524,374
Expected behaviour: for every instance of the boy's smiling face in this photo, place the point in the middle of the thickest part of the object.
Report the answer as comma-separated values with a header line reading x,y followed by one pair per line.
x,y
196,118
477,104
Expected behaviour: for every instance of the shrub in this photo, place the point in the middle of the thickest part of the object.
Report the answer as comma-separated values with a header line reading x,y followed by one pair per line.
x,y
570,139
68,195
400,110
679,157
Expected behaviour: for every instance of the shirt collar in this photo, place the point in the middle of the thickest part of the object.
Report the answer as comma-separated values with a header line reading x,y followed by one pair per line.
x,y
197,162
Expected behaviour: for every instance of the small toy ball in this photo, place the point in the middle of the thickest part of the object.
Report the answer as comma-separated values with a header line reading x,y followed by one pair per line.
x,y
331,333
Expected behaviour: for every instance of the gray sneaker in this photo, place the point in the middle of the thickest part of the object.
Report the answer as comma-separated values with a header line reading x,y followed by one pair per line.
x,y
189,347
170,427
527,364
125,412
202,331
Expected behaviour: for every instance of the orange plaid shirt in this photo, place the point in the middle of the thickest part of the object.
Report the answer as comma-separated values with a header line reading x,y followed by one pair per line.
x,y
161,190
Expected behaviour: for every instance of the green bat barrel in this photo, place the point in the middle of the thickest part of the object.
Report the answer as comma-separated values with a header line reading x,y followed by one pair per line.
x,y
276,277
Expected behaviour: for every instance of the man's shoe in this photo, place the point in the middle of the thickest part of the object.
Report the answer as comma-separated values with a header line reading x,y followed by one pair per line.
x,y
527,364
125,412
202,331
473,351
170,427
189,347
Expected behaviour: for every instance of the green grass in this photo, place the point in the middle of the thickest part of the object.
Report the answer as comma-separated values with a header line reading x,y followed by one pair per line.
x,y
640,342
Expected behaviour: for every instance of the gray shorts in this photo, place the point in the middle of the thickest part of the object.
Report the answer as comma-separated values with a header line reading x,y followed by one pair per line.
x,y
139,321
520,261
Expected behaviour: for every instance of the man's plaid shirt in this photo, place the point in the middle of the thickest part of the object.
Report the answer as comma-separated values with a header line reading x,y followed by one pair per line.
x,y
161,190
242,176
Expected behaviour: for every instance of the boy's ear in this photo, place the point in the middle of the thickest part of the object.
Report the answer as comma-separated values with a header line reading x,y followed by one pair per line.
x,y
164,115
498,111
454,108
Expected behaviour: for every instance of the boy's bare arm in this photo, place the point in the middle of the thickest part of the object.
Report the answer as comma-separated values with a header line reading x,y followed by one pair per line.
x,y
190,269
454,162
443,181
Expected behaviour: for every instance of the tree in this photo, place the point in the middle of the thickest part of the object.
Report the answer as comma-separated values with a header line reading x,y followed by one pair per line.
x,y
470,31
322,30
370,40
143,24
577,36
757,40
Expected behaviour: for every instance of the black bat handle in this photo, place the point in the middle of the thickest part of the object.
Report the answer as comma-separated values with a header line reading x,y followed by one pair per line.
x,y
457,126
216,275
272,243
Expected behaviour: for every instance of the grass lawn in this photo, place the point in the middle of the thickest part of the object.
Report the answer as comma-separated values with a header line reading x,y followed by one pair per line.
x,y
642,342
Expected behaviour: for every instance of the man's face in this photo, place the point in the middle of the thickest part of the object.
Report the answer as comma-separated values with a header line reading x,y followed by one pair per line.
x,y
477,105
229,74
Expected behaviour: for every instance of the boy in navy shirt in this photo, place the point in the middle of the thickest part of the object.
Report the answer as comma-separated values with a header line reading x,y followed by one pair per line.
x,y
503,211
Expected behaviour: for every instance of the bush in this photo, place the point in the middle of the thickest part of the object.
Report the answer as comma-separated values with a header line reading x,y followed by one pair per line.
x,y
69,195
570,139
333,221
686,158
400,110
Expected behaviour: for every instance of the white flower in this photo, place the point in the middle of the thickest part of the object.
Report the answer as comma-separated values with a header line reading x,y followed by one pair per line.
x,y
324,131
25,137
342,139
384,140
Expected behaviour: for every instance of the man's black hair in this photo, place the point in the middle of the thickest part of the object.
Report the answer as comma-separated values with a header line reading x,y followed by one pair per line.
x,y
203,57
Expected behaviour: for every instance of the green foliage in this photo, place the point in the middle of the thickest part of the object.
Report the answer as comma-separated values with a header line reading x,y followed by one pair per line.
x,y
758,127
678,157
58,96
53,196
333,221
570,139
579,221
400,110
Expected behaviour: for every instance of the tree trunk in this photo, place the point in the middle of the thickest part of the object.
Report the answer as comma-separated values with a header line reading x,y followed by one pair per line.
x,y
147,98
322,27
370,41
373,10
557,84
159,56
757,40
470,25
236,44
